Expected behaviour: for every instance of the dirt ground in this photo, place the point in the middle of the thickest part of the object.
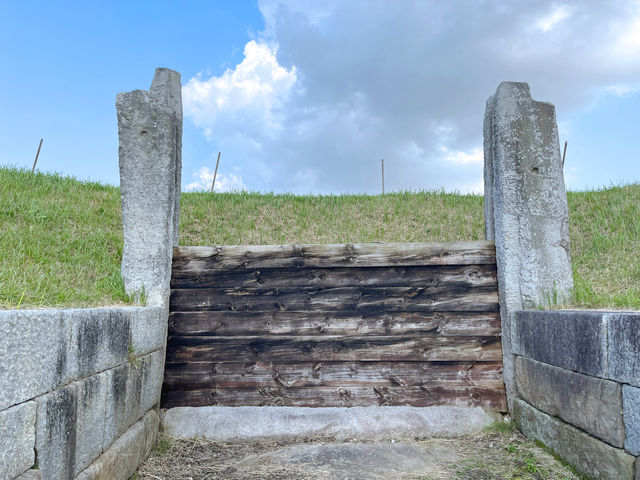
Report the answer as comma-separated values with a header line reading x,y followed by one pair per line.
x,y
493,454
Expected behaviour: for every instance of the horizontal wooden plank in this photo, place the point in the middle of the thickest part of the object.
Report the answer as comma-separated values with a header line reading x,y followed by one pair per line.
x,y
391,299
295,278
193,375
487,398
293,349
198,259
210,323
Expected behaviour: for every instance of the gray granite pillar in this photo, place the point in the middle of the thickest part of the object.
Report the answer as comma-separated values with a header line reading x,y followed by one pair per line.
x,y
526,211
150,151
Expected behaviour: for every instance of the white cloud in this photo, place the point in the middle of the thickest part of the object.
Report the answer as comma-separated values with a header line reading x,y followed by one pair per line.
x,y
630,39
558,13
474,155
250,95
224,182
352,82
623,90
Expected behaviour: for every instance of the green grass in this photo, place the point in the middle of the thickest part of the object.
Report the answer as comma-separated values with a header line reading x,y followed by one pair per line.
x,y
61,239
605,246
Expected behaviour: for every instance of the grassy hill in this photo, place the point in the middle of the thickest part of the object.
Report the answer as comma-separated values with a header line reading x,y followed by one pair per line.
x,y
61,239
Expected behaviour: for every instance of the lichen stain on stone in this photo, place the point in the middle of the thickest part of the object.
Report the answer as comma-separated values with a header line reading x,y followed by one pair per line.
x,y
89,338
119,328
61,408
90,389
61,356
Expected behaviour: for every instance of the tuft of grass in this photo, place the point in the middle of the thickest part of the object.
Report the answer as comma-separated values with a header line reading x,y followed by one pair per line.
x,y
163,445
503,427
132,356
61,239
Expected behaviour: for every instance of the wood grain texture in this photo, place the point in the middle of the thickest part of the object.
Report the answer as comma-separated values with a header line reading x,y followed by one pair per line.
x,y
327,348
319,278
198,259
212,323
389,299
335,325
459,396
196,375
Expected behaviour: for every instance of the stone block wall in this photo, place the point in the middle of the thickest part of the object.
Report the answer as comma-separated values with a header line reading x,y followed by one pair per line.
x,y
578,387
78,389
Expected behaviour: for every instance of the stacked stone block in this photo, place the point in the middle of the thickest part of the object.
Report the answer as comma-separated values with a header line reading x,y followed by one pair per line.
x,y
78,387
74,381
578,383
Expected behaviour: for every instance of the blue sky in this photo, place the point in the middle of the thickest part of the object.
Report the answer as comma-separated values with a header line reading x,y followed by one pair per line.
x,y
307,96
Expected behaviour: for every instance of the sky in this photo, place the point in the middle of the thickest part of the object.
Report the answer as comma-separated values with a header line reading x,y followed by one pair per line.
x,y
306,97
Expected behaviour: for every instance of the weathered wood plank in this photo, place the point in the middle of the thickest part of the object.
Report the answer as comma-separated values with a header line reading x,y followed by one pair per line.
x,y
390,299
296,278
198,259
211,323
293,349
196,375
490,398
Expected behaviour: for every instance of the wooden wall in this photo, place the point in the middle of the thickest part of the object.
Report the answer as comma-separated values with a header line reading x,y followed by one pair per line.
x,y
335,325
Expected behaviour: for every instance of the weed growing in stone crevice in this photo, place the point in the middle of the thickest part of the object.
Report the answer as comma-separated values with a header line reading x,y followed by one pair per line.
x,y
137,297
133,357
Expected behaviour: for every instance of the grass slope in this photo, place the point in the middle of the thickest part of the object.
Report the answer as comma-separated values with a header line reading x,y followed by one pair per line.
x,y
61,239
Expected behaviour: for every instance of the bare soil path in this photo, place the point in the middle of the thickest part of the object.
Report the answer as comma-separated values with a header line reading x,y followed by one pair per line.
x,y
488,455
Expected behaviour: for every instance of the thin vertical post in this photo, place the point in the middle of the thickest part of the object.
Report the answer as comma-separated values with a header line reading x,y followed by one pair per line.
x,y
37,155
215,174
383,176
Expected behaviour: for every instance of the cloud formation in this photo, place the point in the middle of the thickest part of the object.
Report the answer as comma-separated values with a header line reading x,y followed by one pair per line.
x,y
203,179
330,88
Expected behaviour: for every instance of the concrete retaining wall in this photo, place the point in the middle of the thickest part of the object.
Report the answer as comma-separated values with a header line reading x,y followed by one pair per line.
x,y
75,387
578,383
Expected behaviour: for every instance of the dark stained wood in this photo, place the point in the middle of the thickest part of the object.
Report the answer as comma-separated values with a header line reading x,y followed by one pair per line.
x,y
195,375
490,397
335,325
210,323
390,299
294,349
198,259
298,278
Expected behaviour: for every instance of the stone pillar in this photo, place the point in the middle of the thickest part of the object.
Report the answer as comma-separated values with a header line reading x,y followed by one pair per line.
x,y
525,207
150,151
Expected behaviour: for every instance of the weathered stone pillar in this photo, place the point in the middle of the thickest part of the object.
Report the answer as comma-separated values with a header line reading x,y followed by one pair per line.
x,y
525,207
150,151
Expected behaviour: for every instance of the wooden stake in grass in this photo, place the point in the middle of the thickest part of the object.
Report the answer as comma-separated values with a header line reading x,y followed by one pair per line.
x,y
564,154
37,155
382,176
215,174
